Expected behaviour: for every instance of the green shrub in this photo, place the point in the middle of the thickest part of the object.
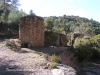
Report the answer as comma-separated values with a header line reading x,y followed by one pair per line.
x,y
96,53
53,65
69,36
54,58
83,49
53,36
95,41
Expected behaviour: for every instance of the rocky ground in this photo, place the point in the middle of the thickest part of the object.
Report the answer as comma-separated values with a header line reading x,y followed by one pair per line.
x,y
91,69
30,61
34,62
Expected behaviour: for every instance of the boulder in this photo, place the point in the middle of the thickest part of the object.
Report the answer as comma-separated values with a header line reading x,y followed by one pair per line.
x,y
64,70
13,44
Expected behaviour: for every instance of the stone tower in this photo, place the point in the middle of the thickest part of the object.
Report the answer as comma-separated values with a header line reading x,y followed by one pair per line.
x,y
31,31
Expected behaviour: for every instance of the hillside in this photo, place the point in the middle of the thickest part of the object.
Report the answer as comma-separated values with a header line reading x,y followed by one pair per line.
x,y
69,24
64,24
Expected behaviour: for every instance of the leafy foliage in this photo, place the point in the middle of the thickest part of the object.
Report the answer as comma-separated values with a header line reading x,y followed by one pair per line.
x,y
10,15
9,4
53,65
53,36
14,19
4,16
54,58
54,61
95,41
69,24
83,49
96,53
31,12
49,24
87,49
10,20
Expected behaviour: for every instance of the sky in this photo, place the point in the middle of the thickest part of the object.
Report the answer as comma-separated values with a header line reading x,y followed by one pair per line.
x,y
83,8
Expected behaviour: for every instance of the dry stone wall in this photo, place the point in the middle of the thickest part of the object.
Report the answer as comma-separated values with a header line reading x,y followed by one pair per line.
x,y
60,41
31,31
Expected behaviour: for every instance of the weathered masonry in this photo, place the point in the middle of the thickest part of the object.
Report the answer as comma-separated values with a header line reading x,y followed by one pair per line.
x,y
61,39
31,31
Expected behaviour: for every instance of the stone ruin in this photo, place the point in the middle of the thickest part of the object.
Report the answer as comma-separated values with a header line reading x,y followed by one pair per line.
x,y
76,35
32,34
31,31
60,41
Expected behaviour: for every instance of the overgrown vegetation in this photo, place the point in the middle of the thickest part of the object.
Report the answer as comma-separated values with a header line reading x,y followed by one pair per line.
x,y
95,41
69,24
53,36
87,49
10,16
54,60
83,49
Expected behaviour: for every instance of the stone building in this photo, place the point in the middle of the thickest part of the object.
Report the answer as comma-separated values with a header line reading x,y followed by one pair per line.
x,y
61,39
76,35
31,31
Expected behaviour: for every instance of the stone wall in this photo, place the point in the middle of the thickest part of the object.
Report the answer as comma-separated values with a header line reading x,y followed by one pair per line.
x,y
76,35
31,31
60,41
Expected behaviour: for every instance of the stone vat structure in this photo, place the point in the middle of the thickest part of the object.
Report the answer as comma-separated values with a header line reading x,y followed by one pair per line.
x,y
31,31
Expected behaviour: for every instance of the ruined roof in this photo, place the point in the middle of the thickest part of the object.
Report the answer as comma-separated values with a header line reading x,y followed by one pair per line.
x,y
31,16
87,37
77,32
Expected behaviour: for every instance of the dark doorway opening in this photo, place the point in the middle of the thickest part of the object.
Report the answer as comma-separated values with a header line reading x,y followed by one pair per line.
x,y
60,41
25,45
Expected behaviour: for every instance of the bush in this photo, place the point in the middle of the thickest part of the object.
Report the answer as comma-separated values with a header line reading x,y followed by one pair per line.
x,y
53,36
54,58
53,65
54,61
95,41
86,49
96,54
83,49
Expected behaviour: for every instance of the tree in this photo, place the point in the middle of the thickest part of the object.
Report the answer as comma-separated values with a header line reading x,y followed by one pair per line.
x,y
14,19
9,4
4,16
49,25
4,20
31,12
83,49
70,24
